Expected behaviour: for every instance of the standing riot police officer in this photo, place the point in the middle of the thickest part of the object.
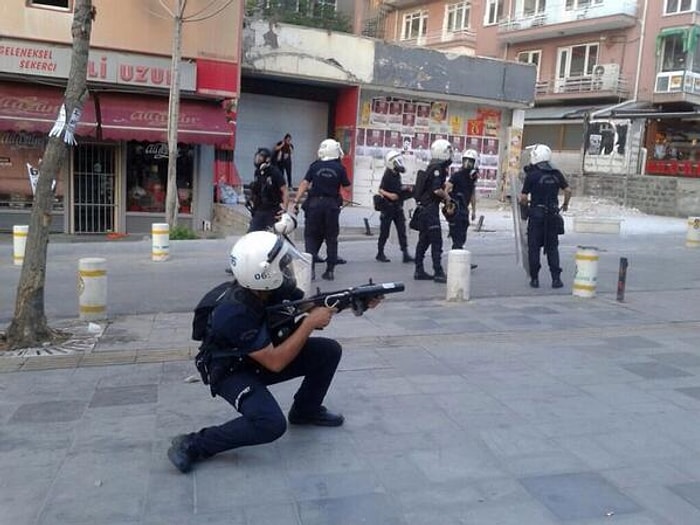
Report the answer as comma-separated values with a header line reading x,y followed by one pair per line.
x,y
394,194
268,192
429,192
323,180
542,184
463,195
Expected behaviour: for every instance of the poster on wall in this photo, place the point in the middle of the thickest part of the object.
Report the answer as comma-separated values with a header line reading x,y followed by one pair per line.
x,y
491,119
380,108
438,113
395,117
423,115
393,140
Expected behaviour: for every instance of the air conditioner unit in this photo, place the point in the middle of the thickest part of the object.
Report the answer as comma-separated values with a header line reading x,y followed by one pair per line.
x,y
606,76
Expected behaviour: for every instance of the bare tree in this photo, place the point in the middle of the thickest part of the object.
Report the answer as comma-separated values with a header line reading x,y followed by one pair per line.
x,y
177,12
29,326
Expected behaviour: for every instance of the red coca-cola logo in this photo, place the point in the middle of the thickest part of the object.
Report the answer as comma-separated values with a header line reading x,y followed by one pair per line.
x,y
24,105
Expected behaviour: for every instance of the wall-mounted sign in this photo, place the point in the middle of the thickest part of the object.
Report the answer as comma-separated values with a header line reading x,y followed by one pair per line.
x,y
49,60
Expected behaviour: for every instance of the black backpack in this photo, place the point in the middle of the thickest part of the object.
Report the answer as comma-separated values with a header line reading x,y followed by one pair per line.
x,y
203,310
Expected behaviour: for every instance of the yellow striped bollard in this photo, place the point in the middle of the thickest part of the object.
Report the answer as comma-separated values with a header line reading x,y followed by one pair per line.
x,y
160,233
92,288
19,243
586,278
692,239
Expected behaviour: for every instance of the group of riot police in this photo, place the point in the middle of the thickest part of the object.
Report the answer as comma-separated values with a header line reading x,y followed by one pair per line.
x,y
240,356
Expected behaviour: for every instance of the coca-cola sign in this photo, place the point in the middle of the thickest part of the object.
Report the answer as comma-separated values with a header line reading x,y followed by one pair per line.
x,y
29,105
158,150
16,139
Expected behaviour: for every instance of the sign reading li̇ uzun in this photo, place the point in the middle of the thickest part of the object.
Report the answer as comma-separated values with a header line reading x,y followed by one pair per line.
x,y
50,60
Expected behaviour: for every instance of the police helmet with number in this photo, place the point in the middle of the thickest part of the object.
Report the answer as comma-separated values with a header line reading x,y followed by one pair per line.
x,y
539,153
286,224
263,261
330,149
441,149
394,161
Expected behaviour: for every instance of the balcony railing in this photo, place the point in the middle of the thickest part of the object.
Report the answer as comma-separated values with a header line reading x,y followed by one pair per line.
x,y
621,13
582,86
442,38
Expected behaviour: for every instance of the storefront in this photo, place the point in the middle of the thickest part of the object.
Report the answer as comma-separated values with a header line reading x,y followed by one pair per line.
x,y
116,177
673,146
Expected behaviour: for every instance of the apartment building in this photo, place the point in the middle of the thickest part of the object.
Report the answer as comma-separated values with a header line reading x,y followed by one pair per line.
x,y
115,179
618,81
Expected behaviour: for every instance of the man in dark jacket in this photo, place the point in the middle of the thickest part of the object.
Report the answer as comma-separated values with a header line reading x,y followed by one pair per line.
x,y
393,193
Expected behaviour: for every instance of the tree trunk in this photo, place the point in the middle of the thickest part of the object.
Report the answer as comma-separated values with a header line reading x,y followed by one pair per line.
x,y
29,326
172,199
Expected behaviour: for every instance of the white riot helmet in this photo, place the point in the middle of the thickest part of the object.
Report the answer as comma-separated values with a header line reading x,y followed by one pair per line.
x,y
539,153
470,154
286,224
441,149
329,149
263,261
394,161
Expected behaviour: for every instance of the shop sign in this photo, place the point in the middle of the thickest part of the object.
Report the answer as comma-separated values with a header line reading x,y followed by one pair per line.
x,y
5,162
48,60
159,150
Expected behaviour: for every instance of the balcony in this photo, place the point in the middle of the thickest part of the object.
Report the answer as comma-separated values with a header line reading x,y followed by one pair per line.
x,y
556,21
404,4
677,86
580,87
444,40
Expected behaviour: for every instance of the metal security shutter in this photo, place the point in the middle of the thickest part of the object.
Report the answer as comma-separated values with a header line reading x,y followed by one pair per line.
x,y
263,120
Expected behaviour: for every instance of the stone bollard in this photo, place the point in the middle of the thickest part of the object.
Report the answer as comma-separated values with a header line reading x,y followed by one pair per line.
x,y
586,278
458,275
19,243
92,288
160,233
692,239
302,273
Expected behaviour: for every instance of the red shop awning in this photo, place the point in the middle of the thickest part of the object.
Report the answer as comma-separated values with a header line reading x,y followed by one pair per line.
x,y
134,117
32,108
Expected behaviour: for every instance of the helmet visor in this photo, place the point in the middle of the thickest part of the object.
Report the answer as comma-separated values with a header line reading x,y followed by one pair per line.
x,y
292,263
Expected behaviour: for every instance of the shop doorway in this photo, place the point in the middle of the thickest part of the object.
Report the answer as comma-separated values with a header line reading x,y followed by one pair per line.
x,y
93,190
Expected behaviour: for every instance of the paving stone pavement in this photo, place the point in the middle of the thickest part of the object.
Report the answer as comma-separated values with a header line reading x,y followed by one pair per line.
x,y
517,408
553,410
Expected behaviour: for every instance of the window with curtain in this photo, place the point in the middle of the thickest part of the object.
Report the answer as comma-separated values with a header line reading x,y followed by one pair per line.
x,y
457,16
673,55
415,25
679,6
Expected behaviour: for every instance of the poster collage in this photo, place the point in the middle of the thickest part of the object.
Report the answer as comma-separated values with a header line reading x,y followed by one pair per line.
x,y
395,123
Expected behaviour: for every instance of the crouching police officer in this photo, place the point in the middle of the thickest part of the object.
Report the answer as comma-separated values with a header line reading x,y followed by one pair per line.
x,y
244,361
431,190
542,183
268,192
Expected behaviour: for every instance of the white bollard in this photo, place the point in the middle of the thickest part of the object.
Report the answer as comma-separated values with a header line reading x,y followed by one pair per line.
x,y
92,288
692,239
586,278
19,243
458,275
160,233
302,273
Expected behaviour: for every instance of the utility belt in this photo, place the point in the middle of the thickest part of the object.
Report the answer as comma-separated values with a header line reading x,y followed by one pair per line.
x,y
215,365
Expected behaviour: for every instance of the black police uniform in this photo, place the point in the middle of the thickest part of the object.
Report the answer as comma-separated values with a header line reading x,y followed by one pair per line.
x,y
237,328
266,197
430,232
463,182
542,183
392,212
283,159
322,208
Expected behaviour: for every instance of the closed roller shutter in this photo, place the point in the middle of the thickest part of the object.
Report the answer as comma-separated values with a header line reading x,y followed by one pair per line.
x,y
263,120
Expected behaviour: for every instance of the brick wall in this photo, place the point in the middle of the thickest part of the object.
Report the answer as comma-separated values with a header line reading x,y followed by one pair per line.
x,y
669,196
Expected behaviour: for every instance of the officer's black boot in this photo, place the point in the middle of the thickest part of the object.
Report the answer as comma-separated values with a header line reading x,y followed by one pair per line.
x,y
407,257
440,276
181,454
421,275
328,274
381,257
556,281
534,282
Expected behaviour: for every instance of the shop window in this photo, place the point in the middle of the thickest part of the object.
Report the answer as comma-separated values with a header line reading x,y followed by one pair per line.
x,y
147,176
61,4
20,160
